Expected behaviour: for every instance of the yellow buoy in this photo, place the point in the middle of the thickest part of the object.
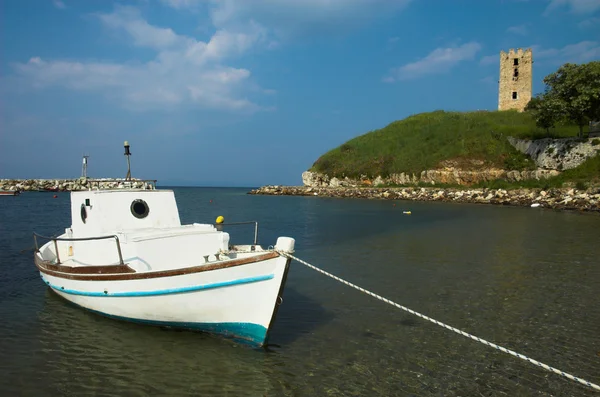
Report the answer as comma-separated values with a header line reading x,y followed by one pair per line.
x,y
220,219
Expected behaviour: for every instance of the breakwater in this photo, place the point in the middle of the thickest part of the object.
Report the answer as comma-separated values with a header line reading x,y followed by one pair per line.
x,y
562,199
65,185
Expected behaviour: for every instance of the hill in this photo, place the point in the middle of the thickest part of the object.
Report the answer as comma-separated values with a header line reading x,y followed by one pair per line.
x,y
426,141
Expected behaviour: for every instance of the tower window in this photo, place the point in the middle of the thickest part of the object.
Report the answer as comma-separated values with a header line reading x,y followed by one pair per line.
x,y
514,95
516,61
516,73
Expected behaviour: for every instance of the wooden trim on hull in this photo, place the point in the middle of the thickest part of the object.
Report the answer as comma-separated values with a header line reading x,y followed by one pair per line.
x,y
108,269
120,273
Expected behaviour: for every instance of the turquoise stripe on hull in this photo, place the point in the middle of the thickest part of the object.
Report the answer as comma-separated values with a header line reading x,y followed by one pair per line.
x,y
249,333
168,291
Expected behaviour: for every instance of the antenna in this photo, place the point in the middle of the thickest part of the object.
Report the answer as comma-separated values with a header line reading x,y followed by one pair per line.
x,y
128,154
84,166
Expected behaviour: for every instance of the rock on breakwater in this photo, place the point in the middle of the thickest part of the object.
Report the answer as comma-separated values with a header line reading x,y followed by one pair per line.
x,y
63,185
563,199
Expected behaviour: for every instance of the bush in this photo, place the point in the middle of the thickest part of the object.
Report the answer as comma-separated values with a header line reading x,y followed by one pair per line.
x,y
345,148
518,162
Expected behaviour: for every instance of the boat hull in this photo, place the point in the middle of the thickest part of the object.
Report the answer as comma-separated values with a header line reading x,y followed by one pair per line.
x,y
238,302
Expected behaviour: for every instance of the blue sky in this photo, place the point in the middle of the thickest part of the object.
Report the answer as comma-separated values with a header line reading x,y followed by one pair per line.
x,y
251,92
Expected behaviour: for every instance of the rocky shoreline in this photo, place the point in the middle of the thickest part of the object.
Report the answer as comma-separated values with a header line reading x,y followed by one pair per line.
x,y
67,185
560,199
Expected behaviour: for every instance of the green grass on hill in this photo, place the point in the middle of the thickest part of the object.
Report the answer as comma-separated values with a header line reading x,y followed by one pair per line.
x,y
423,141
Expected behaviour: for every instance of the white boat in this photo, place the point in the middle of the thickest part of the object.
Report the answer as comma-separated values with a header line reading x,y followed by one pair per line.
x,y
126,255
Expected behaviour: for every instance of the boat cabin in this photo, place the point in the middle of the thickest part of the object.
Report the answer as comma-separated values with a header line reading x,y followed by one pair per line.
x,y
140,226
98,212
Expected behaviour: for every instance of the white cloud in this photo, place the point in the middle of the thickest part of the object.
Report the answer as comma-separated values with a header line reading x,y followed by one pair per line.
x,y
575,6
519,30
589,23
184,70
301,10
490,59
142,33
286,18
182,4
438,61
59,4
583,51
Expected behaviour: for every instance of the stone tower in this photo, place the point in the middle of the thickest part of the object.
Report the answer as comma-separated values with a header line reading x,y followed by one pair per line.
x,y
514,91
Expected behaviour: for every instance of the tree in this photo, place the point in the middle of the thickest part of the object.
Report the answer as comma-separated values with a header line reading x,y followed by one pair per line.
x,y
545,110
572,93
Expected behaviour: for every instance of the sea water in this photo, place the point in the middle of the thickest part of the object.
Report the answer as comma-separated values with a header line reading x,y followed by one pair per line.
x,y
526,279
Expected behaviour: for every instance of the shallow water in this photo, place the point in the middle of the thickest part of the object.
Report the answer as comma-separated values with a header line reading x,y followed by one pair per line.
x,y
527,279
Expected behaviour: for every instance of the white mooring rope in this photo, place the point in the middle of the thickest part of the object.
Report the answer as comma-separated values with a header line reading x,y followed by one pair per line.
x,y
458,331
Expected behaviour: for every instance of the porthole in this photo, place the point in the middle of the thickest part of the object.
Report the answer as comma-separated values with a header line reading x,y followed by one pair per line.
x,y
83,213
139,208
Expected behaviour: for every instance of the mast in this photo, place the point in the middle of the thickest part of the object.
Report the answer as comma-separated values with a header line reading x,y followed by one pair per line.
x,y
128,154
84,166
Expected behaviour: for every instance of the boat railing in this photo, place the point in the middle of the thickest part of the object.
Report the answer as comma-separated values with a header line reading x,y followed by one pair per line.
x,y
56,239
255,223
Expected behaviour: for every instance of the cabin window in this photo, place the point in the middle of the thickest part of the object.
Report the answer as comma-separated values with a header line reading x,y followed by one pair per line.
x,y
139,208
83,213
